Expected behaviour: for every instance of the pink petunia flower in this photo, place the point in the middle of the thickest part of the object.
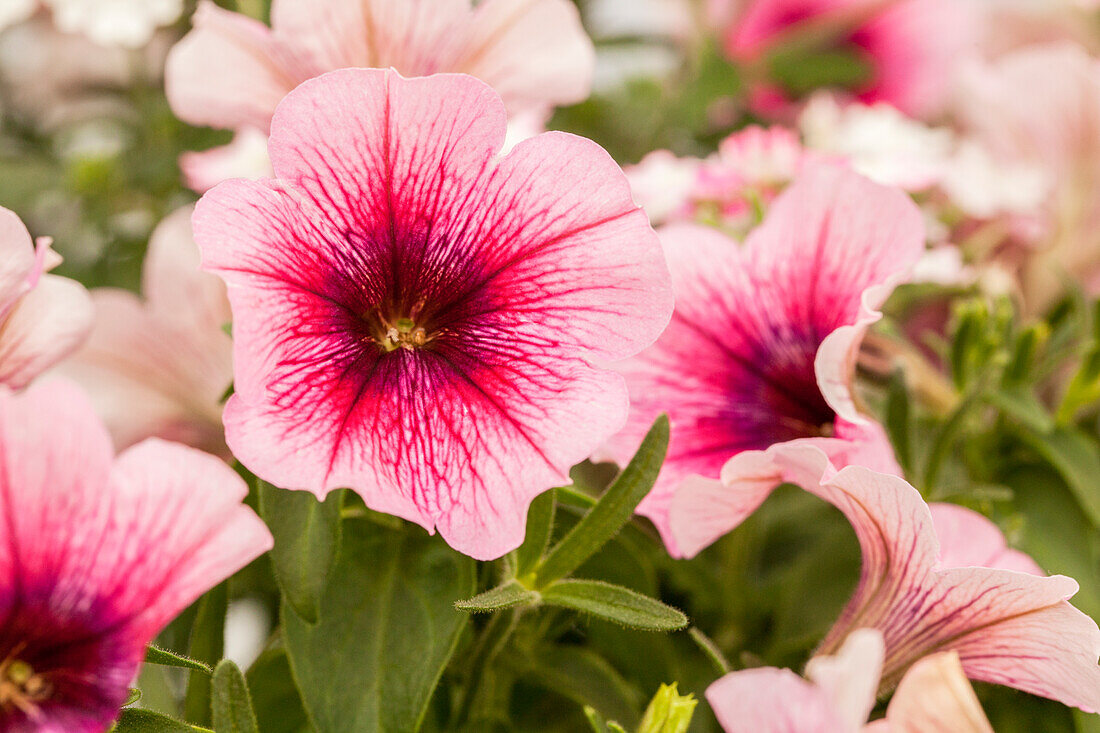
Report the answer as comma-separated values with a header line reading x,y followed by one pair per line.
x,y
231,71
98,554
419,319
161,367
762,344
42,317
933,697
910,46
1008,625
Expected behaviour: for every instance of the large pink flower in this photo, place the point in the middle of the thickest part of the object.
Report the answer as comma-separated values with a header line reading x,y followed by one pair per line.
x,y
98,554
909,45
42,317
231,71
933,697
419,319
161,367
1008,625
760,349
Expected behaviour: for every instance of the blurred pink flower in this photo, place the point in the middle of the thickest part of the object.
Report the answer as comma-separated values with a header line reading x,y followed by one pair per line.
x,y
231,71
161,367
762,343
933,697
419,319
1008,627
728,188
1054,128
42,317
98,554
911,46
244,157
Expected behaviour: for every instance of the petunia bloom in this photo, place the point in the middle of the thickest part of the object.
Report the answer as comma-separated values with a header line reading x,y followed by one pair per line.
x,y
160,368
909,46
934,696
762,343
42,317
232,71
419,319
1008,627
98,554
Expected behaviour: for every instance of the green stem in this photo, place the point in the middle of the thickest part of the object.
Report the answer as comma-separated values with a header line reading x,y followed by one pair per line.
x,y
492,639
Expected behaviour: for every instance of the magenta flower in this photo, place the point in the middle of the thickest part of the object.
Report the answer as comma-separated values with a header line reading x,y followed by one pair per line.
x,y
908,45
761,347
934,696
99,554
420,320
42,317
160,367
1008,627
231,71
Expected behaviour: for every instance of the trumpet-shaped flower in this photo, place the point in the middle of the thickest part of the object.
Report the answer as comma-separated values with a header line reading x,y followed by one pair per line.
x,y
762,344
98,554
419,319
1008,627
42,317
161,367
934,696
231,71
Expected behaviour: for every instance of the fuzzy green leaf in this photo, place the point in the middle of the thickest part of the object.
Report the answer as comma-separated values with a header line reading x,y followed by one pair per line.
x,y
497,599
165,658
614,603
231,705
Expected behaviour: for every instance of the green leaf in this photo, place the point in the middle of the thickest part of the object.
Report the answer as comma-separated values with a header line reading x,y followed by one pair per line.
x,y
1021,404
275,697
614,603
540,526
207,645
898,420
231,706
135,695
612,511
583,676
497,599
1077,457
387,629
307,533
136,720
163,657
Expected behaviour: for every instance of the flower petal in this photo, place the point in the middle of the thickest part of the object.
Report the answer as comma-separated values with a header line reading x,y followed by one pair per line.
x,y
226,72
770,700
16,259
934,695
245,157
45,325
849,679
967,539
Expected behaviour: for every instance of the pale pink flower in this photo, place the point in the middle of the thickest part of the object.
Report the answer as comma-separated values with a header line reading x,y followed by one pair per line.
x,y
161,366
762,343
1008,627
99,553
231,71
244,157
419,319
727,188
839,694
42,317
911,46
1054,128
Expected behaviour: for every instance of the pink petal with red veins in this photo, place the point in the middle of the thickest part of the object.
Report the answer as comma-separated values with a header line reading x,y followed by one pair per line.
x,y
967,539
770,700
757,328
1008,627
528,271
934,696
228,71
98,557
45,325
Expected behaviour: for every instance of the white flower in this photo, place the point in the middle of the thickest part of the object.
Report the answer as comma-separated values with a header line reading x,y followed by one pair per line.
x,y
128,23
